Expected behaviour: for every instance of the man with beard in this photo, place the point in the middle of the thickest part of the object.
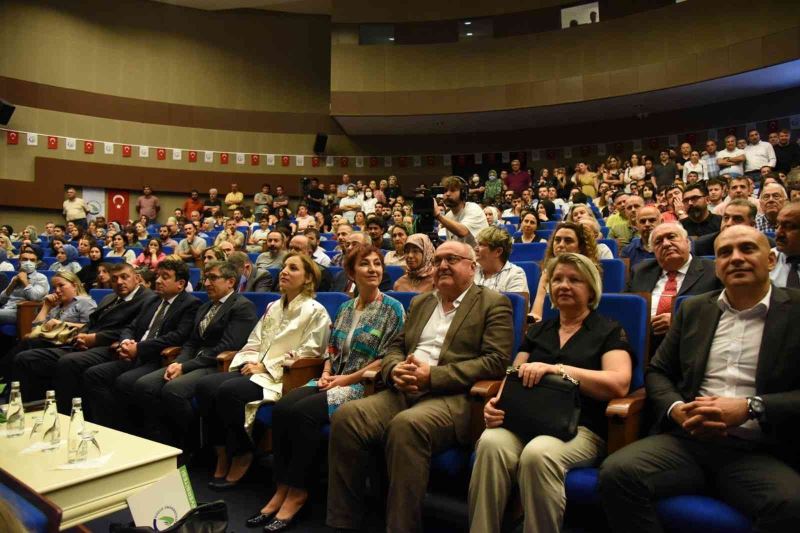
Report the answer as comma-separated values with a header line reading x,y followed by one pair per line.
x,y
275,253
464,219
772,200
787,239
165,238
698,221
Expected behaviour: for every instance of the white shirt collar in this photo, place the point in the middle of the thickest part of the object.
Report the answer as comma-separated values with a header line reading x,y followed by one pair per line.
x,y
225,298
683,269
458,300
760,309
130,296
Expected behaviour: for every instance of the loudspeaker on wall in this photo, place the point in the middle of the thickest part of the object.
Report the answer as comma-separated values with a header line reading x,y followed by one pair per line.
x,y
6,110
320,142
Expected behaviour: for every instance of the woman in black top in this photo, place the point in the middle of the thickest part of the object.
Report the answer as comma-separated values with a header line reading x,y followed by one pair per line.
x,y
580,344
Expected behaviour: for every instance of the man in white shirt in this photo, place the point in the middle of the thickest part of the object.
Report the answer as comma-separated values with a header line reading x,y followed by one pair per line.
x,y
739,187
319,255
464,219
454,336
350,204
758,154
75,209
787,239
724,388
731,158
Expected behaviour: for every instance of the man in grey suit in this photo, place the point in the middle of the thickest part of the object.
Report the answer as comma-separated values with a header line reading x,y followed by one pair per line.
x,y
673,273
725,387
250,280
453,337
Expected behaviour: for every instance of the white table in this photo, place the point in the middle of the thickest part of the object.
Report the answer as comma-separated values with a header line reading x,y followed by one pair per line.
x,y
84,495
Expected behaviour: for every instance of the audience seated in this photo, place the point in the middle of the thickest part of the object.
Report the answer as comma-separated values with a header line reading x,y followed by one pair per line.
x,y
419,276
274,252
647,218
396,256
462,220
26,284
344,282
724,423
66,260
737,211
493,269
582,345
119,248
250,280
528,225
430,370
697,220
772,199
191,248
151,256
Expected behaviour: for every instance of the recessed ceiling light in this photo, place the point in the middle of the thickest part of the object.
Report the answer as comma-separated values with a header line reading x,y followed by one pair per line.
x,y
391,38
469,34
467,23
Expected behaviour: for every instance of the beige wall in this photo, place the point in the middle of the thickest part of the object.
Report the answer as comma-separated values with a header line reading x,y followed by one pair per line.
x,y
353,11
661,48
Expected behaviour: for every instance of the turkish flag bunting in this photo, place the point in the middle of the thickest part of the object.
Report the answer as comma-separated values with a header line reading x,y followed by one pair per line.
x,y
192,156
430,160
255,159
343,161
12,137
373,162
161,154
315,161
403,161
126,150
52,143
284,160
223,158
88,147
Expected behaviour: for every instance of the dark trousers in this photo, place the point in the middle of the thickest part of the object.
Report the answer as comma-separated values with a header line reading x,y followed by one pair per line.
x,y
59,368
297,421
11,348
739,473
166,406
108,388
221,400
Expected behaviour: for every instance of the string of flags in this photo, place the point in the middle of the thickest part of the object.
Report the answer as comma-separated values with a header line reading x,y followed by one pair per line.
x,y
89,146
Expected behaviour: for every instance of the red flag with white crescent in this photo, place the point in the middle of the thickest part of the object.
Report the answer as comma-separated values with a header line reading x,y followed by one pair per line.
x,y
255,159
315,161
192,156
118,206
88,147
223,158
52,143
126,150
12,137
161,154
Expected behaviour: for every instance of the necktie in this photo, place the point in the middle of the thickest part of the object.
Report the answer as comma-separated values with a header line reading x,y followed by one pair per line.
x,y
669,292
158,321
111,306
793,279
209,317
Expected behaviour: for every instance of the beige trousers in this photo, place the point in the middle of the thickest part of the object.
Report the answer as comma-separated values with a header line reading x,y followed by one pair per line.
x,y
538,467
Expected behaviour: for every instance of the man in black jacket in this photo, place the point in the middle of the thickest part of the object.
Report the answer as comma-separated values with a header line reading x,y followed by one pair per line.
x,y
222,324
166,321
61,368
725,388
249,279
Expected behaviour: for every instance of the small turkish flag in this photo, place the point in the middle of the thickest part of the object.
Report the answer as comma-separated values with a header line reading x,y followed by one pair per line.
x,y
732,131
223,158
403,161
430,160
12,137
373,162
521,156
192,156
343,161
52,143
161,154
126,150
255,159
284,160
551,154
461,160
88,147
315,161
490,158
618,148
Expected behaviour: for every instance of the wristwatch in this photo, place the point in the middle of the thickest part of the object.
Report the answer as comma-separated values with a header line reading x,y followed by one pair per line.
x,y
755,408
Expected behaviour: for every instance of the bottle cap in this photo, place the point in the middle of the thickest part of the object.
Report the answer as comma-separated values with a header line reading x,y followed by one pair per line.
x,y
76,401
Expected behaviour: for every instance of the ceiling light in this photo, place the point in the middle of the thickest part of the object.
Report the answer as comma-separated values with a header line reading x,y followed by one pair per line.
x,y
469,34
391,38
467,23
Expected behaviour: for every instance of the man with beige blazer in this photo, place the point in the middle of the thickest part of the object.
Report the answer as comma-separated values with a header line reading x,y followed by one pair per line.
x,y
453,336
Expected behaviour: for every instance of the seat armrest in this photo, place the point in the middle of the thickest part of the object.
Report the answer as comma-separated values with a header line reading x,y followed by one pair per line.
x,y
480,393
297,372
26,312
624,419
371,379
168,355
486,388
224,360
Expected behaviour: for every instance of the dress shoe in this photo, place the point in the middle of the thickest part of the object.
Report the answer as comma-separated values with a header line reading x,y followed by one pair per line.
x,y
279,525
258,520
222,484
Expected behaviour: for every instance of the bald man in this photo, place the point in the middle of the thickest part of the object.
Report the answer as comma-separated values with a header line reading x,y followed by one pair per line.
x,y
725,388
646,218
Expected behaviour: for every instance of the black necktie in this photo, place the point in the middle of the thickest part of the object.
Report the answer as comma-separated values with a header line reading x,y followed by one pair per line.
x,y
793,279
158,321
111,306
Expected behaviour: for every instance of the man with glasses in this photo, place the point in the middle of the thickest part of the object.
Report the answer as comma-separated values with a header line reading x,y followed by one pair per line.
x,y
772,200
787,238
697,220
673,273
453,336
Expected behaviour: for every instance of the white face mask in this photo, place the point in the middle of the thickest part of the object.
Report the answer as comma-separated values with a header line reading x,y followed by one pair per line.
x,y
351,193
368,194
492,177
27,266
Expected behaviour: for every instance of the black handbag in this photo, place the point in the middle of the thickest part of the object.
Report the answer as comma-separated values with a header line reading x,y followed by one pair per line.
x,y
551,407
205,518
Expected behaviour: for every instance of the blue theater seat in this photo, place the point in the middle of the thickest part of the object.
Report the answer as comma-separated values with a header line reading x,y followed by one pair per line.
x,y
549,224
533,273
395,272
98,294
612,245
331,301
261,300
544,233
194,278
329,246
613,275
403,297
533,251
511,220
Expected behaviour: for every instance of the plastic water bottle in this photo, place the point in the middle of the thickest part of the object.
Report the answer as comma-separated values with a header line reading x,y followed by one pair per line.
x,y
50,422
76,429
15,418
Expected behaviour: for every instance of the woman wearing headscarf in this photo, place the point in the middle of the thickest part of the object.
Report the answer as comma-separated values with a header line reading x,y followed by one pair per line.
x,y
419,265
88,274
546,210
66,259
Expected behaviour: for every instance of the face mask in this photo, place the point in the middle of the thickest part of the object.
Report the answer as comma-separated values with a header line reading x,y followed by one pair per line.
x,y
27,266
368,194
476,180
351,193
492,177
647,194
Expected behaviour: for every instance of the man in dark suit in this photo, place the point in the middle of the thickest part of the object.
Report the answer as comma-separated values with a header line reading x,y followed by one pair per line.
x,y
453,337
302,245
249,279
725,387
61,368
674,272
166,321
737,211
342,283
222,324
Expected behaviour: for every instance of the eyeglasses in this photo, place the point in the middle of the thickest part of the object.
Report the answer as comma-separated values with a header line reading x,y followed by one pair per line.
x,y
214,277
452,259
772,196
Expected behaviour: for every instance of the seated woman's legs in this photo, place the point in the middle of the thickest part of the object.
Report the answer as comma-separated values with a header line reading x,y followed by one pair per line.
x,y
233,395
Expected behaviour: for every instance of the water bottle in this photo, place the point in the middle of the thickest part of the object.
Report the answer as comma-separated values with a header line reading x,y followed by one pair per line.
x,y
50,422
15,418
76,429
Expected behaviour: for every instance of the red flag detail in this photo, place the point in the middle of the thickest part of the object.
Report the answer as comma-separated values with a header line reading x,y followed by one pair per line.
x,y
255,159
88,147
551,154
315,161
223,158
343,161
373,162
461,160
12,137
126,150
403,161
161,154
773,126
691,138
52,143
431,161
284,160
192,156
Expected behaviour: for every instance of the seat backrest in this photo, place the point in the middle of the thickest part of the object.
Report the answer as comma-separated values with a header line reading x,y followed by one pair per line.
x,y
329,245
37,513
261,300
48,261
253,257
631,311
549,224
532,251
511,220
331,301
544,234
331,253
403,297
395,272
194,278
678,301
334,270
612,245
98,294
113,259
533,273
613,275
520,316
201,295
604,229
510,228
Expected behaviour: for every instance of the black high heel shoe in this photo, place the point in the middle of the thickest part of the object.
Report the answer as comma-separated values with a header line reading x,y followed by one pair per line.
x,y
277,524
259,519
